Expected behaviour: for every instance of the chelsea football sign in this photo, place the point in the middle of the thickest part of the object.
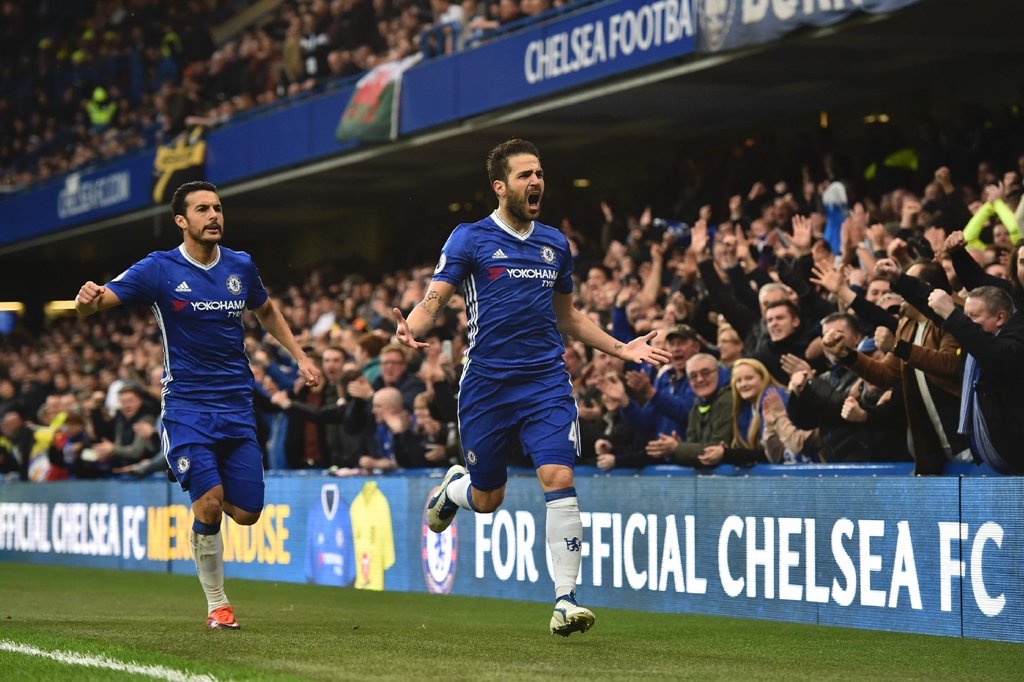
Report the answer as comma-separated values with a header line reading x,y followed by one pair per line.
x,y
730,24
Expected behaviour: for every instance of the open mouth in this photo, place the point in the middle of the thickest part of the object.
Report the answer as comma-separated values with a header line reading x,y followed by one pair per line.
x,y
533,200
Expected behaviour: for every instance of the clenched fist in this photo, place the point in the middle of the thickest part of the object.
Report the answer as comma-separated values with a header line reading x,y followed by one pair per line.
x,y
88,299
835,343
941,302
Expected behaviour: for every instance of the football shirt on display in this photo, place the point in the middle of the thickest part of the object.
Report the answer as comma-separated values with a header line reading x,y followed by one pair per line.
x,y
372,536
330,557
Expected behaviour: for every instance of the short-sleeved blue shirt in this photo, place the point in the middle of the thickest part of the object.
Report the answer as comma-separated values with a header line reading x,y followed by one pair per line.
x,y
508,280
199,311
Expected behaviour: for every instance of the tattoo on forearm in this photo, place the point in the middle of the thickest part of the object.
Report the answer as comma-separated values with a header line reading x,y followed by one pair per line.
x,y
617,346
433,303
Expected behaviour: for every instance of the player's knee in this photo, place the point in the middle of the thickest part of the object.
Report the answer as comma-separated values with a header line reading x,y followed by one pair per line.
x,y
208,509
555,477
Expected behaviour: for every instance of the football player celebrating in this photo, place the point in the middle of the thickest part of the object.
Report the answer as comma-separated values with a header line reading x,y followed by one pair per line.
x,y
197,293
516,275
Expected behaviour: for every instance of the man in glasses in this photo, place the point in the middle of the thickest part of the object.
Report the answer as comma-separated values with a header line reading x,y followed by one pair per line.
x,y
710,418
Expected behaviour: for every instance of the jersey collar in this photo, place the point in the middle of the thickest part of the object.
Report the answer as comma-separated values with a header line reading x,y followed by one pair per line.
x,y
508,228
193,261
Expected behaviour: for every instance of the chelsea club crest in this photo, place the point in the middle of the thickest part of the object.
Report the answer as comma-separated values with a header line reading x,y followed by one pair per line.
x,y
439,554
715,17
548,254
235,284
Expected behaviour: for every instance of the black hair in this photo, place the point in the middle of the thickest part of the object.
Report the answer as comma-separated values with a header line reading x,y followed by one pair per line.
x,y
179,200
787,304
933,274
497,159
849,319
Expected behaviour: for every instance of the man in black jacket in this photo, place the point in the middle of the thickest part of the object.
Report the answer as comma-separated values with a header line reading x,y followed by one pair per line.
x,y
992,336
16,442
129,437
818,403
344,424
787,335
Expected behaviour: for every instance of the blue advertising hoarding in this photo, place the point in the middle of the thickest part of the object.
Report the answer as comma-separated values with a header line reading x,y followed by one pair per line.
x,y
990,559
341,532
78,198
601,41
862,552
277,139
595,43
244,149
81,523
937,555
731,24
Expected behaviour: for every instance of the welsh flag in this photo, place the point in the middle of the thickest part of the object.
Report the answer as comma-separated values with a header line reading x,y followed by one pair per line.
x,y
372,112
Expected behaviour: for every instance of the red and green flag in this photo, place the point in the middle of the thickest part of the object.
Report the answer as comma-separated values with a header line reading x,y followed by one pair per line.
x,y
372,112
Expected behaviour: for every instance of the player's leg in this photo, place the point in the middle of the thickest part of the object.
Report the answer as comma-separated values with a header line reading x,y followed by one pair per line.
x,y
189,451
479,488
241,516
486,421
564,528
468,496
208,553
550,434
564,531
240,465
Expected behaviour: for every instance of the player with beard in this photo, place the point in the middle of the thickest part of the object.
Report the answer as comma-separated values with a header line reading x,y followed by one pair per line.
x,y
197,293
516,276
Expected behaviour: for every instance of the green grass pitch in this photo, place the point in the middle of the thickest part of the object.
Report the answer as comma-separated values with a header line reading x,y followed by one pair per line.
x,y
307,632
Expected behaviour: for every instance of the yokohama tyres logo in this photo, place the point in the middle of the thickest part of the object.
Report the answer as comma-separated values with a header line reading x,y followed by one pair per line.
x,y
202,306
548,274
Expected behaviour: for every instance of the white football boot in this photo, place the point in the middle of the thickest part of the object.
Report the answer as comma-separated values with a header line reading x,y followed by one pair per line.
x,y
570,617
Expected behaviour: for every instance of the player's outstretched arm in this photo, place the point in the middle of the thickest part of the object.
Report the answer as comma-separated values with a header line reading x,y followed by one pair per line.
x,y
578,325
93,298
273,321
423,315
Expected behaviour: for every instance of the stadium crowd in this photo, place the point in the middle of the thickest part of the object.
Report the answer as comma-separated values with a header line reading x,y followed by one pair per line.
x,y
95,79
809,320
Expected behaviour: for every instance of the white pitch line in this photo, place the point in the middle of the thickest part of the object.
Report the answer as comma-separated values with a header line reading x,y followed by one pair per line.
x,y
73,658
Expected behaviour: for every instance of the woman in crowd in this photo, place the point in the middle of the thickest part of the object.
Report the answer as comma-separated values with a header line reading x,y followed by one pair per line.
x,y
756,417
730,345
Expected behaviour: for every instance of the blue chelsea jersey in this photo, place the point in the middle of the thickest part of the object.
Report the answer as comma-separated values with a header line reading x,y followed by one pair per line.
x,y
508,280
199,311
330,552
